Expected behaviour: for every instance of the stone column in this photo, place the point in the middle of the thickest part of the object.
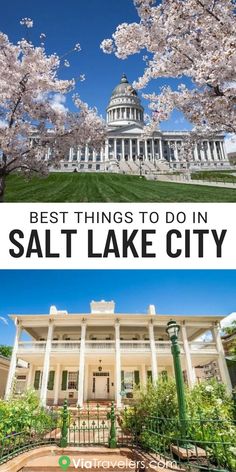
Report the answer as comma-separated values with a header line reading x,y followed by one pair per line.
x,y
57,384
123,149
46,366
70,154
115,148
209,151
106,150
153,150
13,363
130,150
138,147
221,359
153,352
118,365
189,367
81,365
195,153
176,152
223,153
146,150
86,153
161,148
215,151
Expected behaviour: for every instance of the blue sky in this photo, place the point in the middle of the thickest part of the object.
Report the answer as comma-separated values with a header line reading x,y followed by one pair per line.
x,y
66,23
174,292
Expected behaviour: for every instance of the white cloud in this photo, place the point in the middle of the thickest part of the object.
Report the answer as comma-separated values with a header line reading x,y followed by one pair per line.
x,y
230,143
4,321
57,102
228,320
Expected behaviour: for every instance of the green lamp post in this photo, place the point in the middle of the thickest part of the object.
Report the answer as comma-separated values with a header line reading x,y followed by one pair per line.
x,y
173,331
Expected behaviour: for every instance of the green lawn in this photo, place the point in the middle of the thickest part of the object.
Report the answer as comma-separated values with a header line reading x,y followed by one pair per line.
x,y
72,187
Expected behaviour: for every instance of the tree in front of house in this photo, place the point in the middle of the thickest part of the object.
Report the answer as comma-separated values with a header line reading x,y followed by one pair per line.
x,y
5,351
195,39
32,114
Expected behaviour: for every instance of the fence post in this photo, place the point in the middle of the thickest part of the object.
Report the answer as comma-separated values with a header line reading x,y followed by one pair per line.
x,y
64,427
112,437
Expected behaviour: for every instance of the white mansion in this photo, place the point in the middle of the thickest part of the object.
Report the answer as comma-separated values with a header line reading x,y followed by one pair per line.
x,y
102,355
126,150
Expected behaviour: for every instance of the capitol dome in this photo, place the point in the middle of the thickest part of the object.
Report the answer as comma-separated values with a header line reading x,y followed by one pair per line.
x,y
125,106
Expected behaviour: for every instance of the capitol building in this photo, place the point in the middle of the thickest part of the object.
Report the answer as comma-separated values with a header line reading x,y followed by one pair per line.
x,y
126,150
104,355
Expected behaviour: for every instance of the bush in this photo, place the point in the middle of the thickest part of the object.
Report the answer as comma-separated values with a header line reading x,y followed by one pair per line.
x,y
154,418
24,414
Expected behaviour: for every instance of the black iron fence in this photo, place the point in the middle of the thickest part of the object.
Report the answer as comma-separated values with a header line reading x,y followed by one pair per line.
x,y
206,445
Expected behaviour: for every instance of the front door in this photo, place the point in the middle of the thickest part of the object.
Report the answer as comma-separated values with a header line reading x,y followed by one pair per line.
x,y
101,385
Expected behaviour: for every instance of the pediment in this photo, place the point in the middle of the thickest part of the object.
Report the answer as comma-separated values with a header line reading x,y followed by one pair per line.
x,y
127,129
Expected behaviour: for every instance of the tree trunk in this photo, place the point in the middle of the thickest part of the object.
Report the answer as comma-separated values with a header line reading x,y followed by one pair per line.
x,y
2,187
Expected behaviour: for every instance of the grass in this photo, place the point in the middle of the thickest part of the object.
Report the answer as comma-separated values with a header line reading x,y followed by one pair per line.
x,y
91,187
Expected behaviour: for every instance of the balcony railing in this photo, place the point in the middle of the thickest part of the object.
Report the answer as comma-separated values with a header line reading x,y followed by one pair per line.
x,y
65,346
31,346
134,346
202,348
108,346
162,347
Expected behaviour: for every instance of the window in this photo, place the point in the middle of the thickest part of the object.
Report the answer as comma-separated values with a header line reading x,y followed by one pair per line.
x,y
72,380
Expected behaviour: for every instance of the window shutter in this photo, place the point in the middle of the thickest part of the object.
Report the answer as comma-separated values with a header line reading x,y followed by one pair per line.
x,y
37,379
136,377
51,380
64,380
149,375
122,380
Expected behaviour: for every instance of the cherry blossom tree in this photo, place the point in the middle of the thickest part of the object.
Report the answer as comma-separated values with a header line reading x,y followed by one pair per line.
x,y
185,38
32,114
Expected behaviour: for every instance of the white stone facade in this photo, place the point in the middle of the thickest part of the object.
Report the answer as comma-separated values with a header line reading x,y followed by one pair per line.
x,y
127,151
102,355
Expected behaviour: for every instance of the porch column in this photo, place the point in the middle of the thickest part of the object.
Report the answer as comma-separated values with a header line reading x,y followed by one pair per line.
x,y
143,375
118,364
12,369
153,352
57,384
222,150
224,373
189,367
30,376
81,365
46,366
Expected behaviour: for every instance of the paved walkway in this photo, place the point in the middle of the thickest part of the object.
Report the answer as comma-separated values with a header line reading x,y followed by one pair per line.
x,y
181,180
85,459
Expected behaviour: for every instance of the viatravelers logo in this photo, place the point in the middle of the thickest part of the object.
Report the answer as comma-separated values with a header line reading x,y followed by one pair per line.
x,y
65,462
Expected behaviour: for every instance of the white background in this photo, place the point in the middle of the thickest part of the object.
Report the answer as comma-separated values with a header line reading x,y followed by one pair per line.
x,y
220,216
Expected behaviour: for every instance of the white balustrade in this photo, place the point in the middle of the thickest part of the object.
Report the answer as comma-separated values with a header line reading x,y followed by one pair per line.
x,y
100,345
143,346
165,346
202,347
65,346
31,346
